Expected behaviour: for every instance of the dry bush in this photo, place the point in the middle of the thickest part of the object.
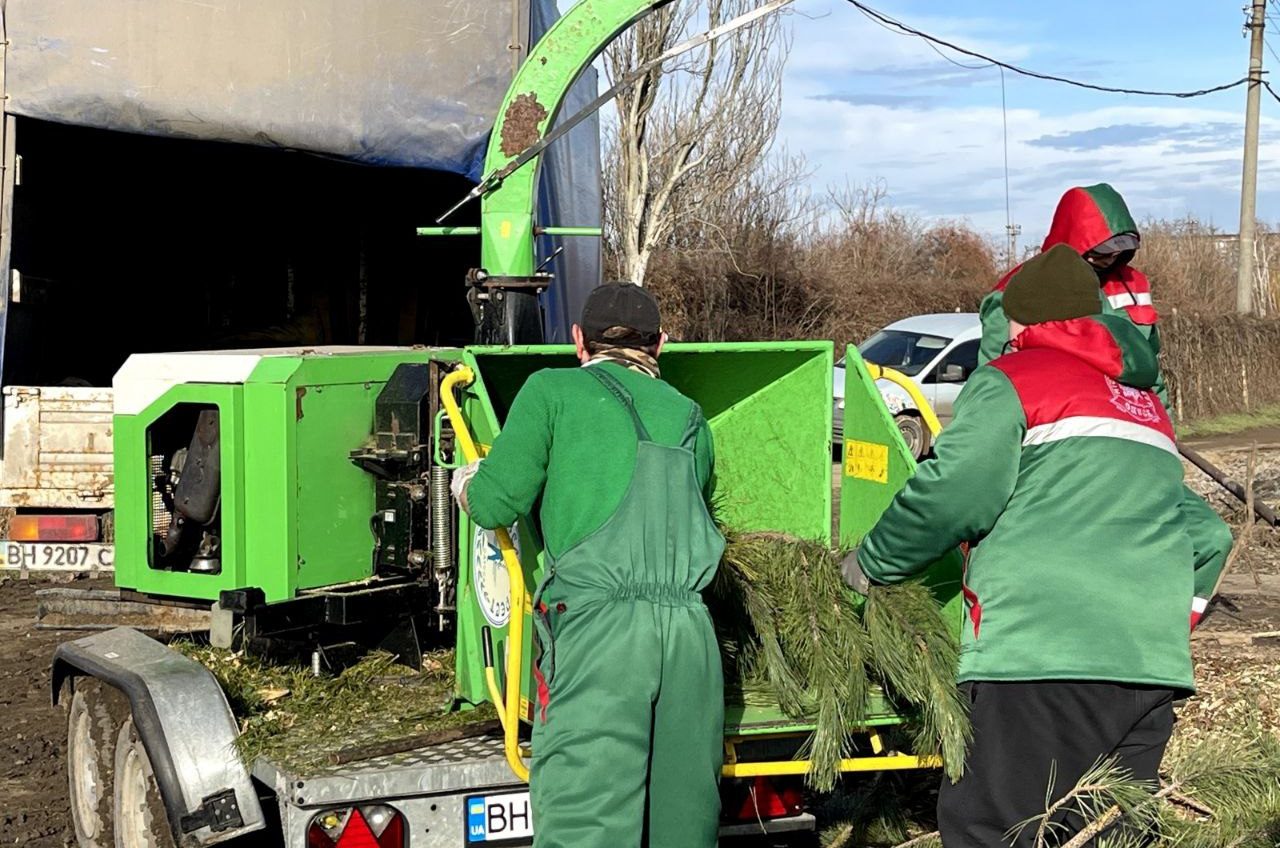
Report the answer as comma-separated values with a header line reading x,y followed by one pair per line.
x,y
771,261
1192,266
1216,364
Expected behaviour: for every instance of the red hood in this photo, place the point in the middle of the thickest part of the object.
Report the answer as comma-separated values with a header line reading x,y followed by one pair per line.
x,y
1108,343
1087,216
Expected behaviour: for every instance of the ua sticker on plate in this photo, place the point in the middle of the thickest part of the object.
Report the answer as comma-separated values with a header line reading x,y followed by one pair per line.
x,y
497,818
866,461
489,574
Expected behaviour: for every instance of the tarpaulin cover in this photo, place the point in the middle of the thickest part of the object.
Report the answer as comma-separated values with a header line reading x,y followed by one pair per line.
x,y
414,83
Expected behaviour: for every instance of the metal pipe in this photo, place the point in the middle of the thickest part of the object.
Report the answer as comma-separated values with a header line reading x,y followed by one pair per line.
x,y
515,575
931,421
538,231
1263,511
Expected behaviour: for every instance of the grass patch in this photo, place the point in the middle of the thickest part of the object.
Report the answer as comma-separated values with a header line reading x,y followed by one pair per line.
x,y
304,722
1235,422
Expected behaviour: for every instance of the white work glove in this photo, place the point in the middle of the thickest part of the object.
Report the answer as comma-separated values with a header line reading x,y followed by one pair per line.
x,y
854,577
458,482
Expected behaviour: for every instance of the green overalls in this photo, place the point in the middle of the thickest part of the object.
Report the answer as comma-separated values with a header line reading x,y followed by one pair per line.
x,y
629,741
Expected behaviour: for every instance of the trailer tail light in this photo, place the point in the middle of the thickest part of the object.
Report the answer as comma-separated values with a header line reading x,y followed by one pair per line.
x,y
769,800
53,528
377,826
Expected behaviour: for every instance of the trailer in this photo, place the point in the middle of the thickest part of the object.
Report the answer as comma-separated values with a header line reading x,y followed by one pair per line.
x,y
297,498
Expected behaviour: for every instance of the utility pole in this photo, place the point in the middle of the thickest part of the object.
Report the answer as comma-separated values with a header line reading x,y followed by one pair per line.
x,y
1013,231
1249,182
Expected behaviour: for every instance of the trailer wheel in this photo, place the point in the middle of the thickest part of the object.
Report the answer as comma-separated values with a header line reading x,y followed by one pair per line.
x,y
914,433
141,821
92,726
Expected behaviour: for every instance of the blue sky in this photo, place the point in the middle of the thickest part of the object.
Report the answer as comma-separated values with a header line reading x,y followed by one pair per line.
x,y
863,104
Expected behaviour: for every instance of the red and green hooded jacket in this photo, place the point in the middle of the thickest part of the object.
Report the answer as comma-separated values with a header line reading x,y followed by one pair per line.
x,y
1060,461
1085,218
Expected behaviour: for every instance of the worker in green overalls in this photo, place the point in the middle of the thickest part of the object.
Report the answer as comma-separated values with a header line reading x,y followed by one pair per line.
x,y
628,741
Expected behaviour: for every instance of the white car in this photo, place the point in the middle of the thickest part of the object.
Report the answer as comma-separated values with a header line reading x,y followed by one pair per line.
x,y
938,352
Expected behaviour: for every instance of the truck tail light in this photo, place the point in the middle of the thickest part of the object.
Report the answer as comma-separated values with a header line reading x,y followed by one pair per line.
x,y
376,826
53,528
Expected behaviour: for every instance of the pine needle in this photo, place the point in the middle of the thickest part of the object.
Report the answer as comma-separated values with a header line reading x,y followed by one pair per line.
x,y
915,653
791,631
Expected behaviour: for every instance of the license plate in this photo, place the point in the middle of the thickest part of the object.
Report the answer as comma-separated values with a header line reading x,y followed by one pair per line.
x,y
499,818
56,556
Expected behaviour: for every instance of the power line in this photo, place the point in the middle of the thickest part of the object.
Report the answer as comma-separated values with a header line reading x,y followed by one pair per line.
x,y
888,22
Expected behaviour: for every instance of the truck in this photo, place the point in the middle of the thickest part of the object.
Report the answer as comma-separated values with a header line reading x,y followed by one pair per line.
x,y
297,496
204,177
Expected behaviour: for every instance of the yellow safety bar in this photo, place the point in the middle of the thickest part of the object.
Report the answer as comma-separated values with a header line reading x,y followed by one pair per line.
x,y
508,707
931,421
775,768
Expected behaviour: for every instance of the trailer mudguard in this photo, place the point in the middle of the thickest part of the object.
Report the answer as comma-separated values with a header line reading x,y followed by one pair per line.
x,y
185,724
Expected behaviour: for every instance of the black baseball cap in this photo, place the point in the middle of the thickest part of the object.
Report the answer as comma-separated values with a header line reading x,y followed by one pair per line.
x,y
621,305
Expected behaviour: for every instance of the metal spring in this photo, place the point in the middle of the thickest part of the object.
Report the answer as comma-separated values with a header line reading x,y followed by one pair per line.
x,y
442,535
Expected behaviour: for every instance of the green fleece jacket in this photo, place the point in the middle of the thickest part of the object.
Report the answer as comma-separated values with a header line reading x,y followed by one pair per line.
x,y
1060,463
568,441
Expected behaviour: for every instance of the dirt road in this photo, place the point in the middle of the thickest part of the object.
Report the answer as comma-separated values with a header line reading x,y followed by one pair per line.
x,y
33,783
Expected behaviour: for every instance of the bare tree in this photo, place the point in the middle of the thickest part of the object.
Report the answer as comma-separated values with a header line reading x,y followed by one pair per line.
x,y
689,132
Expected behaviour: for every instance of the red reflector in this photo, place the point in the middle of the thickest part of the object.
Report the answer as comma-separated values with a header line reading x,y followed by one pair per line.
x,y
53,528
766,802
374,827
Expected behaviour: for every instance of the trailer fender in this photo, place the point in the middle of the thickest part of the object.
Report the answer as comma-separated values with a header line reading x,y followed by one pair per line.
x,y
186,726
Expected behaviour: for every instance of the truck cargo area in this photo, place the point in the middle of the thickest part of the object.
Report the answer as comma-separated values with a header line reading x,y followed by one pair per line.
x,y
127,244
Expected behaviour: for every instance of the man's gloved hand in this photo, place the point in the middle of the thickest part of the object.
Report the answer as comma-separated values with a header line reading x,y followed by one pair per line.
x,y
458,483
853,575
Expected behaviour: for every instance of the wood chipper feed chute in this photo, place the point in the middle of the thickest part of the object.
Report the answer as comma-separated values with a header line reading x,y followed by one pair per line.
x,y
770,410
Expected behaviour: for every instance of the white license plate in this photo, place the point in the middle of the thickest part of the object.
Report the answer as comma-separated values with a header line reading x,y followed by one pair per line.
x,y
499,818
56,556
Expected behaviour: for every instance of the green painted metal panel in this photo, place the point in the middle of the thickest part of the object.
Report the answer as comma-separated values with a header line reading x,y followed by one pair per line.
x,y
133,499
528,111
334,498
876,465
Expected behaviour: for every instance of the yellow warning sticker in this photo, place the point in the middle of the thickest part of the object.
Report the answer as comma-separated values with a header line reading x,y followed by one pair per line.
x,y
866,461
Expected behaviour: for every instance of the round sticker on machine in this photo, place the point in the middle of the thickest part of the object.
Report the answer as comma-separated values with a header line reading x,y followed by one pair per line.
x,y
489,574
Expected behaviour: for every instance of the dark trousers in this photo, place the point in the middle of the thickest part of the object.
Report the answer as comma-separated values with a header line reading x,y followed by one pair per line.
x,y
1026,735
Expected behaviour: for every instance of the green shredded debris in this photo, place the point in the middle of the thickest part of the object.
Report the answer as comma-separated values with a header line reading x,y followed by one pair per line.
x,y
790,630
304,722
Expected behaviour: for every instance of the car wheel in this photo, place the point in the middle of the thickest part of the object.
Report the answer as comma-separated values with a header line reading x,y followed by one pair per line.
x,y
141,821
92,725
914,433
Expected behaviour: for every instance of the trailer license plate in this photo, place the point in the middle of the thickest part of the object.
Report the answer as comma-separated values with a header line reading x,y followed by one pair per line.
x,y
499,818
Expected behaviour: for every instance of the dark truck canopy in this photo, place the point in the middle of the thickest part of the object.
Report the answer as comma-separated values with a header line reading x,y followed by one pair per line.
x,y
389,83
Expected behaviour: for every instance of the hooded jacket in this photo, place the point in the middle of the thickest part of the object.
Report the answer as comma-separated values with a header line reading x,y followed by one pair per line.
x,y
1061,462
1085,218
